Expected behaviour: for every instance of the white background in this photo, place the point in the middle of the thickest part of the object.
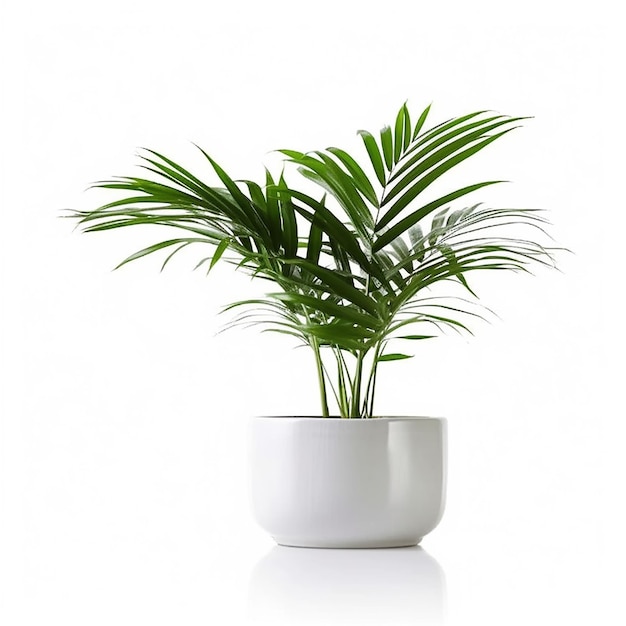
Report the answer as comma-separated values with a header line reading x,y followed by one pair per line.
x,y
123,485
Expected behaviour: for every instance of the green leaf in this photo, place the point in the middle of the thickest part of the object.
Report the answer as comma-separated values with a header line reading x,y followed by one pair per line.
x,y
386,141
336,231
339,331
438,221
290,226
344,188
239,197
393,356
374,154
346,337
431,145
254,220
219,251
360,179
159,192
398,141
420,121
292,154
256,193
273,211
404,224
442,128
314,245
176,250
426,180
407,127
436,158
454,217
193,182
348,198
342,261
336,284
416,337
180,176
402,251
389,268
448,252
156,247
341,312
416,237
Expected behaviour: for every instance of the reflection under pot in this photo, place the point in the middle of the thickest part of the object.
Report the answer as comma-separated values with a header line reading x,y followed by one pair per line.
x,y
316,586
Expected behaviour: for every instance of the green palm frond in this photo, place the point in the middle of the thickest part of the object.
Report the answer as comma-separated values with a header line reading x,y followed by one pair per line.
x,y
359,265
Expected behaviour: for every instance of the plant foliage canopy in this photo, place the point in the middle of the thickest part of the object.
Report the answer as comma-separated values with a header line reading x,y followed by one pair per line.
x,y
355,265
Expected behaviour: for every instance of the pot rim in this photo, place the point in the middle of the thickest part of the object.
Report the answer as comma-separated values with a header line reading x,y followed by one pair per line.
x,y
337,418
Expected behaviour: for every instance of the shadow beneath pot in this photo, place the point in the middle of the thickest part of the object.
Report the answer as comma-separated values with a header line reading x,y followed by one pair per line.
x,y
312,586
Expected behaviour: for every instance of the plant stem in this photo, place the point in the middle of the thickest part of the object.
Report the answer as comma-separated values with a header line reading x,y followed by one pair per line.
x,y
344,404
329,380
346,369
372,395
320,368
368,401
320,376
356,387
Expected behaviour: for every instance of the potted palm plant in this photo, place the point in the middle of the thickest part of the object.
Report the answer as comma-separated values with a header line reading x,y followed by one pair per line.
x,y
356,265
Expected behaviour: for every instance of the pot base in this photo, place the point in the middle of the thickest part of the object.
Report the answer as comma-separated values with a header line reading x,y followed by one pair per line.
x,y
357,545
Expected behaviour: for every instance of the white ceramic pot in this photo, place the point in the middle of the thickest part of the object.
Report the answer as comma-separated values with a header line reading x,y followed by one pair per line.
x,y
347,483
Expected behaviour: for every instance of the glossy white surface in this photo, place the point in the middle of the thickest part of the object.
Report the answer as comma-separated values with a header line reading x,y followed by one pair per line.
x,y
340,483
346,586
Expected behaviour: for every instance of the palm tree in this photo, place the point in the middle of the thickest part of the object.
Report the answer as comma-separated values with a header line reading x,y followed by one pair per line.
x,y
355,266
